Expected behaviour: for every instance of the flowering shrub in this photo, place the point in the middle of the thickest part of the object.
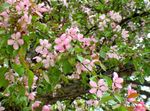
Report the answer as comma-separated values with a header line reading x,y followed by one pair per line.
x,y
76,55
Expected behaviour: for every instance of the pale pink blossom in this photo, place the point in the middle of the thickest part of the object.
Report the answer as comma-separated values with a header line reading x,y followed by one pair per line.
x,y
73,32
63,43
92,102
43,48
140,107
113,25
38,58
98,88
86,65
36,104
113,55
16,60
131,91
117,81
16,40
10,76
5,18
24,21
34,82
23,6
125,34
5,15
31,96
39,9
46,108
1,107
115,16
102,17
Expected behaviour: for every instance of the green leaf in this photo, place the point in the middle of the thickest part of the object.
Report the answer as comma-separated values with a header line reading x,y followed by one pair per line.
x,y
108,80
118,97
46,78
102,66
3,81
106,98
30,75
4,6
18,68
66,66
54,75
80,58
121,108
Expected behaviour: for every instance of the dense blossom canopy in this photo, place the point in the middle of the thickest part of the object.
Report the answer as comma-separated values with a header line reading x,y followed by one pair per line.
x,y
74,55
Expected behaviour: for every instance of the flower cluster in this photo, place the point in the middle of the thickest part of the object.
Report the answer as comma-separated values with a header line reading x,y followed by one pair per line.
x,y
113,53
103,22
63,43
130,92
115,16
92,102
140,107
117,81
45,56
16,40
1,107
98,88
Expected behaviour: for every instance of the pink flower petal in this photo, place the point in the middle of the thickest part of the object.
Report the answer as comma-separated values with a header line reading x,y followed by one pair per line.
x,y
20,42
115,75
10,42
15,46
99,93
93,90
119,80
101,82
93,84
118,85
104,88
18,35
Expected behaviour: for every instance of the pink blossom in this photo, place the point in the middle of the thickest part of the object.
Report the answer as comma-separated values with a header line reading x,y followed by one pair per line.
x,y
16,60
36,104
34,82
113,25
117,81
115,16
131,91
5,15
23,6
98,88
24,21
10,76
31,96
46,108
43,48
113,55
86,65
140,107
16,40
1,107
38,58
92,102
102,17
39,9
87,41
73,32
63,43
5,18
125,34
